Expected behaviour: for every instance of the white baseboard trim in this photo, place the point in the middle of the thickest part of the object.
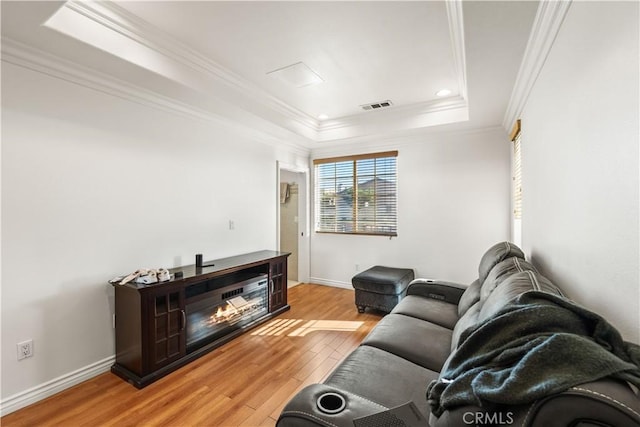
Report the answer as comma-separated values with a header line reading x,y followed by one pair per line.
x,y
293,283
42,391
333,283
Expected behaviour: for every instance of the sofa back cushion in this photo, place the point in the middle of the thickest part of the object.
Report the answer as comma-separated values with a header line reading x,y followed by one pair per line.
x,y
503,293
470,296
513,286
496,254
502,271
469,318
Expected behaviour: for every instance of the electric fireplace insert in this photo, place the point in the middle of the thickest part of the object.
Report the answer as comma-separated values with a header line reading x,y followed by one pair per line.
x,y
214,313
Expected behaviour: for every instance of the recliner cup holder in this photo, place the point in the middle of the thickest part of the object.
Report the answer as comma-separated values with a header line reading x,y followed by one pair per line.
x,y
331,403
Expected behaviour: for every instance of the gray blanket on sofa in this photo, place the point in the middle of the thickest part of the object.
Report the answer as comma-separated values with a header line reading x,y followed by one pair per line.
x,y
538,345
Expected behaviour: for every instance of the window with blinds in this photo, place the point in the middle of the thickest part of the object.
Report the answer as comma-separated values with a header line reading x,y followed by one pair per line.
x,y
517,172
356,194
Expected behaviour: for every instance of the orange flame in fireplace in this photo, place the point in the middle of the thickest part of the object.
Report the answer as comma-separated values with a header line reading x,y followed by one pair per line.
x,y
223,314
229,312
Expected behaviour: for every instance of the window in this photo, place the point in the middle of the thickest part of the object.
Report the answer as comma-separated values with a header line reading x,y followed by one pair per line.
x,y
517,172
356,194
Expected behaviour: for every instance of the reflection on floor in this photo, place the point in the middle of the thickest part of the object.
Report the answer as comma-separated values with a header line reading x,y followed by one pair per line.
x,y
293,327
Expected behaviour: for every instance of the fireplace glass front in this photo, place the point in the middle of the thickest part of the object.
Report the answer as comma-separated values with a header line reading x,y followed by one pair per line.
x,y
220,311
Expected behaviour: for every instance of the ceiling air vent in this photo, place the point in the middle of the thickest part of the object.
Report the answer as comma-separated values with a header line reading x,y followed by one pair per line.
x,y
377,105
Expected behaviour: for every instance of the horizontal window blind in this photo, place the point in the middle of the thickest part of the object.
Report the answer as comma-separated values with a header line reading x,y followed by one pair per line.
x,y
356,194
517,172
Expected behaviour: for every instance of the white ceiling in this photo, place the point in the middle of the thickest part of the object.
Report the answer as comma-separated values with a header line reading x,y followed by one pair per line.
x,y
364,52
214,57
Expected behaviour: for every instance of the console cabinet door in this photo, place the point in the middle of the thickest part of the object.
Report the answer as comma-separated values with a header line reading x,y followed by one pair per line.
x,y
277,283
167,336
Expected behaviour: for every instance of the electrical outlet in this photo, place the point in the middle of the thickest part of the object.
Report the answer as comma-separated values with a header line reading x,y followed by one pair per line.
x,y
25,349
232,225
357,267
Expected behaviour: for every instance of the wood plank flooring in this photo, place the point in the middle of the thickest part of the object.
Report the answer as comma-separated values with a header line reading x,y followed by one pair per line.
x,y
244,383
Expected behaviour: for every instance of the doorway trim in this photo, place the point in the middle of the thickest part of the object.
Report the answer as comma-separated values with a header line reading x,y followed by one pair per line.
x,y
303,213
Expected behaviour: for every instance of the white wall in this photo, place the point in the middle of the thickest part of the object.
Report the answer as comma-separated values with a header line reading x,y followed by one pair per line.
x,y
94,186
453,204
580,162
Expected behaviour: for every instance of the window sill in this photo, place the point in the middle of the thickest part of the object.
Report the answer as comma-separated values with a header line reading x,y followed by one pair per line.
x,y
358,233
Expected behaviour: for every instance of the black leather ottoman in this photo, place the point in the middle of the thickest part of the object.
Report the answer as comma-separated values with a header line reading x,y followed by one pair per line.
x,y
381,287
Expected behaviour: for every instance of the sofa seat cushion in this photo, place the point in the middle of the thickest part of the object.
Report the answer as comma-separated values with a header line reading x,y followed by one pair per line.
x,y
383,280
421,342
435,311
383,378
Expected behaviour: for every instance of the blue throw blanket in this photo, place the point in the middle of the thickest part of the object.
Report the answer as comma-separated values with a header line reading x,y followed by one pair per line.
x,y
538,345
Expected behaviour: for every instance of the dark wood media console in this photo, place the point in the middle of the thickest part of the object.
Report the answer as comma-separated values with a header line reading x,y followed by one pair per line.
x,y
155,322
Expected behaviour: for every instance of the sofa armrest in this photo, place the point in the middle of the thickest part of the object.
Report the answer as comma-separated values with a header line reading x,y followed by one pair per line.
x,y
605,402
303,410
601,403
437,289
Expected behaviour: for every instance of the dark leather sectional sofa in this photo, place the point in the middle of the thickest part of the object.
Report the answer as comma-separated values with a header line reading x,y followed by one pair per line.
x,y
508,349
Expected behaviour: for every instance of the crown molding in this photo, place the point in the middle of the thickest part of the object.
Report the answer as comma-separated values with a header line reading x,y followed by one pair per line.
x,y
546,25
397,121
22,55
419,109
117,19
387,142
456,32
195,70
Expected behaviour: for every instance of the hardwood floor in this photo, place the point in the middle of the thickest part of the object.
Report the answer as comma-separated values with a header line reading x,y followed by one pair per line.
x,y
244,383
